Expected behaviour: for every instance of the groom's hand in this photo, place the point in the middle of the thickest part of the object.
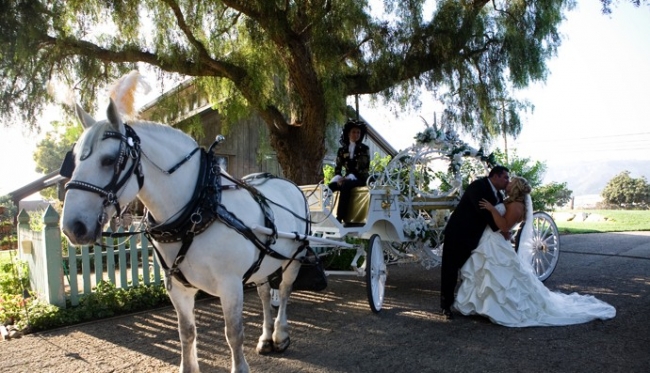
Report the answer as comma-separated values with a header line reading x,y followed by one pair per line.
x,y
506,235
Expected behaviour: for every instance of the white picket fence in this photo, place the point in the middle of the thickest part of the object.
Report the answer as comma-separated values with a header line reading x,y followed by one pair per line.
x,y
57,278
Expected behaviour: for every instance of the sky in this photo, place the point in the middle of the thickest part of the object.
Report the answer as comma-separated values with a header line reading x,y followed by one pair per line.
x,y
593,106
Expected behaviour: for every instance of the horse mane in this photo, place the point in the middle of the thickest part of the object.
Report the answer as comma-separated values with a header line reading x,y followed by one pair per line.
x,y
156,127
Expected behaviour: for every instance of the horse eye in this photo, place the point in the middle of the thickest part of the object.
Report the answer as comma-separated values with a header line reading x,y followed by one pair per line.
x,y
108,161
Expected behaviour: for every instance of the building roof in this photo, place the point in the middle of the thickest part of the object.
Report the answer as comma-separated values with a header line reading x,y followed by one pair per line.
x,y
195,105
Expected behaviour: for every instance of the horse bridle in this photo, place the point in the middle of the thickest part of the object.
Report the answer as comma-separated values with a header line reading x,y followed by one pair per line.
x,y
129,149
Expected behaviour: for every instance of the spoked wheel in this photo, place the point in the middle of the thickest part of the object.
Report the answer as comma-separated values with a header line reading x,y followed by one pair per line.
x,y
546,245
275,298
375,273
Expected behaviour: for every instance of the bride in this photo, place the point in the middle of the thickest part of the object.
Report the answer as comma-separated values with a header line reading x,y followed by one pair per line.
x,y
499,284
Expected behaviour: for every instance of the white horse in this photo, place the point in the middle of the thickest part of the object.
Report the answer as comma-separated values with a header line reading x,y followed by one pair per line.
x,y
114,162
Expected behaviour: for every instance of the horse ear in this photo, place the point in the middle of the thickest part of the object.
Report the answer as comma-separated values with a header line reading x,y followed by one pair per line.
x,y
86,120
113,116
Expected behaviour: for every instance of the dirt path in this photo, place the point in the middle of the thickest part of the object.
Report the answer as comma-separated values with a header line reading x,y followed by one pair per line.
x,y
334,330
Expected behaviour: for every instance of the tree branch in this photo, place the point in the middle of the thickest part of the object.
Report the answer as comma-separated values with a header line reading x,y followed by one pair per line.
x,y
416,62
180,21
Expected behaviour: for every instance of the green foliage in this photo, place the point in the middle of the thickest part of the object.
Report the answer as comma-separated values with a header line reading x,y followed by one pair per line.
x,y
340,259
14,282
470,170
328,173
550,195
36,220
545,197
607,4
11,210
625,191
8,236
24,310
377,165
105,301
293,62
14,275
50,151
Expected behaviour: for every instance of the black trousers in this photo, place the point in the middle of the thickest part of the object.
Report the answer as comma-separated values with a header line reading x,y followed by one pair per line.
x,y
345,193
454,257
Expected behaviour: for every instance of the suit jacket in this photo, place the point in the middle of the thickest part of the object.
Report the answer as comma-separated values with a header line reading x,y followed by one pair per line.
x,y
468,221
359,165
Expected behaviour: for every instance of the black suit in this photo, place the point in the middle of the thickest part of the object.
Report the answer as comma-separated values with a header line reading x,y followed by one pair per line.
x,y
358,165
463,232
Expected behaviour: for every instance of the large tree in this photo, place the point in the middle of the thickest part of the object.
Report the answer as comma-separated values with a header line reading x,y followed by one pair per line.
x,y
626,191
292,62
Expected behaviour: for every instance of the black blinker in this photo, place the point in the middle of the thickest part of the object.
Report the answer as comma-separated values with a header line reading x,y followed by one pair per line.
x,y
67,167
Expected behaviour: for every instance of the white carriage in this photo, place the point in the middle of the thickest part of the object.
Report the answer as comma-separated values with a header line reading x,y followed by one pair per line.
x,y
402,218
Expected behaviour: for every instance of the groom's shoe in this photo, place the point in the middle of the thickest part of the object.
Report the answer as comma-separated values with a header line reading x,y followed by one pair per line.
x,y
446,312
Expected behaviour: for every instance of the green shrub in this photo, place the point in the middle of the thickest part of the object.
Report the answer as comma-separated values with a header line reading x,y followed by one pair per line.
x,y
105,301
14,276
340,260
20,308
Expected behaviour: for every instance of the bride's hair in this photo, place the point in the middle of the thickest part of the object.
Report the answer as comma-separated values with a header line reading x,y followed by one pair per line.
x,y
520,188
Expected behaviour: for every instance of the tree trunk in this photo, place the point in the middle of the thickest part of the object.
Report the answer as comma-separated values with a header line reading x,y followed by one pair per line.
x,y
301,149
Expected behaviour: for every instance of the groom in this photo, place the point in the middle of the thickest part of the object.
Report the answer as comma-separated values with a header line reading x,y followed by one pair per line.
x,y
464,229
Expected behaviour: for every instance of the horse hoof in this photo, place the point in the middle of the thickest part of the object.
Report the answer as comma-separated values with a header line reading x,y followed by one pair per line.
x,y
265,347
282,346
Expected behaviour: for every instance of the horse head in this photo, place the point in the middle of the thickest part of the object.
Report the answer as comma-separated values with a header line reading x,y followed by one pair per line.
x,y
105,160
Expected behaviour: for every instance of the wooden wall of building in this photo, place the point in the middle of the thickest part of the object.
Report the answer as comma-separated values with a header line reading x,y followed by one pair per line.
x,y
245,149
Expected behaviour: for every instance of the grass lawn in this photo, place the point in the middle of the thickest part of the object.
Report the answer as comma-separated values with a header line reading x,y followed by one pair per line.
x,y
617,221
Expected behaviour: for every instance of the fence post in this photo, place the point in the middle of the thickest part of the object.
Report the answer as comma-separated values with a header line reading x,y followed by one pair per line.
x,y
53,257
26,245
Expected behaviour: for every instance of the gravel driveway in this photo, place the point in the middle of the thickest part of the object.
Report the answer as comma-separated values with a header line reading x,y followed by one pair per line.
x,y
335,331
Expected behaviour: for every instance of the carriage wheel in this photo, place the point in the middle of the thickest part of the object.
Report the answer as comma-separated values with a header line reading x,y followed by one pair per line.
x,y
275,298
375,273
546,245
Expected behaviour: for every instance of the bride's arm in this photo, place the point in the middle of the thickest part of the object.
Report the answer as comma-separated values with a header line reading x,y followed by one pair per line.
x,y
514,213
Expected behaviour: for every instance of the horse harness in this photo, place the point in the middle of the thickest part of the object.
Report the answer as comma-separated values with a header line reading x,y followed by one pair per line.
x,y
203,209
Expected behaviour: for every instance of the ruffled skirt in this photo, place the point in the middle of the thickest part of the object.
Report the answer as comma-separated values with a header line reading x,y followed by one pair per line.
x,y
498,285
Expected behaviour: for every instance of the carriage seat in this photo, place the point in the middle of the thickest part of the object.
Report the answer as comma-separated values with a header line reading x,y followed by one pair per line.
x,y
359,203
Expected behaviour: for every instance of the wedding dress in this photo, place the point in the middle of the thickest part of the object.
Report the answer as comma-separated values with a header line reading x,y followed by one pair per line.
x,y
500,284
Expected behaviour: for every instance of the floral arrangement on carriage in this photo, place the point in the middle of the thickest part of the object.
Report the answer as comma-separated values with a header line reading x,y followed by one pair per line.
x,y
429,176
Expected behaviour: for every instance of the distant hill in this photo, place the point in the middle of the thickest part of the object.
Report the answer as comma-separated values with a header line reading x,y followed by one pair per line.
x,y
589,178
